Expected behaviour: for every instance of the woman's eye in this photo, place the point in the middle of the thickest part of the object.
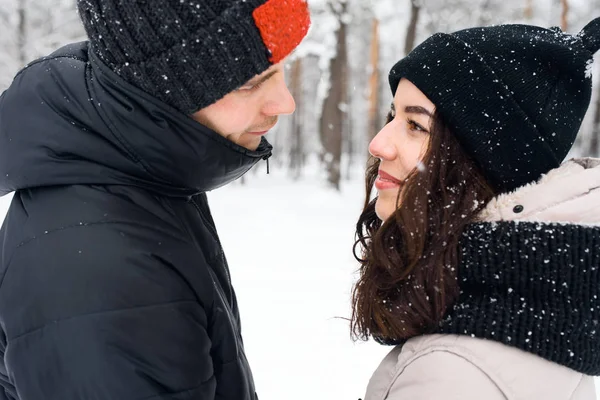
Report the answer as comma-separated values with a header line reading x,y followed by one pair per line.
x,y
415,127
390,116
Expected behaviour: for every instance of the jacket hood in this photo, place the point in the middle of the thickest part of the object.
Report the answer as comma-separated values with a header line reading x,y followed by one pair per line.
x,y
68,119
568,194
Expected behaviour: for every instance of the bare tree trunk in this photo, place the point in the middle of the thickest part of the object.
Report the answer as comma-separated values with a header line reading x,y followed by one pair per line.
x,y
349,144
51,21
335,106
373,118
594,149
528,14
21,33
411,33
564,23
297,144
485,17
4,17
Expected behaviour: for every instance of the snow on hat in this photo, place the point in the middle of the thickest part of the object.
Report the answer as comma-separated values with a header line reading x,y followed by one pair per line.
x,y
514,95
190,53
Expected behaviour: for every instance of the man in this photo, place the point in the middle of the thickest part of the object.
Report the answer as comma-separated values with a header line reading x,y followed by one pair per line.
x,y
113,281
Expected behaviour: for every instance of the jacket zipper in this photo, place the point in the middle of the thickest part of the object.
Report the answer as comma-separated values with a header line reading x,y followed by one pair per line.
x,y
213,232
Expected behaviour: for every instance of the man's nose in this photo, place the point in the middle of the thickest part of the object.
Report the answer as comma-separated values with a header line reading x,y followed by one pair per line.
x,y
280,101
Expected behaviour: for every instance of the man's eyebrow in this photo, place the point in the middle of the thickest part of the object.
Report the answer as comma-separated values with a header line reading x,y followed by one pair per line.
x,y
417,110
258,81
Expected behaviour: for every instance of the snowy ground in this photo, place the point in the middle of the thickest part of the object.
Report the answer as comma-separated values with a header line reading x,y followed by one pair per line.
x,y
289,249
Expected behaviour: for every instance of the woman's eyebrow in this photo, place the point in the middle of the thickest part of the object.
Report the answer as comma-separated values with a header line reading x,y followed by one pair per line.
x,y
417,110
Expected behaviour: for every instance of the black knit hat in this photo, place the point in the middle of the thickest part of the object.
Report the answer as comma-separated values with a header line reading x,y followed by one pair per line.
x,y
515,95
190,53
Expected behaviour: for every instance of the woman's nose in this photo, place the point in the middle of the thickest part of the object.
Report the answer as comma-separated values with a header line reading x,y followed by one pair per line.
x,y
382,147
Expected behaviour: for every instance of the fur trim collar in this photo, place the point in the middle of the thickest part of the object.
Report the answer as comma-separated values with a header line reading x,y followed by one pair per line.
x,y
568,194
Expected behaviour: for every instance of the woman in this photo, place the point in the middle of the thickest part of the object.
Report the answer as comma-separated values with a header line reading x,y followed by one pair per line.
x,y
480,256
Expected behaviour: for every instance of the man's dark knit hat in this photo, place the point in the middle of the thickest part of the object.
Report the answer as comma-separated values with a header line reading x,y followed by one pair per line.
x,y
514,95
191,53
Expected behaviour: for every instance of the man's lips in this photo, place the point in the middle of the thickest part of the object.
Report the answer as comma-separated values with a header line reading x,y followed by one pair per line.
x,y
262,132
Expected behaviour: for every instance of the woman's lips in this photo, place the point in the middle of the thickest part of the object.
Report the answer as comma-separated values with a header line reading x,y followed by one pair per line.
x,y
386,181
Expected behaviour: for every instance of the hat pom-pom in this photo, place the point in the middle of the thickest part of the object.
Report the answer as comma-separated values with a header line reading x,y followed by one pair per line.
x,y
590,35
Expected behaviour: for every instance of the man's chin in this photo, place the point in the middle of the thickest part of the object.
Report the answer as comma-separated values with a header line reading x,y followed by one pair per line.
x,y
249,141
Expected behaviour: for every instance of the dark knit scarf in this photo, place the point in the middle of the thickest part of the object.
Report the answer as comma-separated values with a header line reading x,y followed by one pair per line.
x,y
534,286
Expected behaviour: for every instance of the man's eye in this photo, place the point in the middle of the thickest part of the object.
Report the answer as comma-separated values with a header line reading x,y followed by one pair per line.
x,y
250,88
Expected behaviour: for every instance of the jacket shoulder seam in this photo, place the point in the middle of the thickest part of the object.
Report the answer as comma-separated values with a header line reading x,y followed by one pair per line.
x,y
184,391
95,313
577,387
46,59
30,239
443,349
79,225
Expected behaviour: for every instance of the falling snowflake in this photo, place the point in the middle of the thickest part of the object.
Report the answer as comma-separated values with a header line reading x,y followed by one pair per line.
x,y
588,68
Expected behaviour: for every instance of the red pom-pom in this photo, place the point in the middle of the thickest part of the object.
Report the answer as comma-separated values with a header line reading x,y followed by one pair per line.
x,y
282,25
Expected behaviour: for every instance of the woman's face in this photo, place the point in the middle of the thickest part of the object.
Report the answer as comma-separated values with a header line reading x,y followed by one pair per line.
x,y
401,144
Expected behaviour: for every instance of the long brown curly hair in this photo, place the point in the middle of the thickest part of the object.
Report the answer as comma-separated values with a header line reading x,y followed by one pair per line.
x,y
408,272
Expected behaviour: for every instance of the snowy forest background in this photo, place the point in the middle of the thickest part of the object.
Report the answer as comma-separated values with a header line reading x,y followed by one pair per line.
x,y
296,295
339,73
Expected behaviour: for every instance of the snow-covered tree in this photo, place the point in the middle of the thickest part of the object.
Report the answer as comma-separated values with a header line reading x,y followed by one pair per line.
x,y
341,89
34,28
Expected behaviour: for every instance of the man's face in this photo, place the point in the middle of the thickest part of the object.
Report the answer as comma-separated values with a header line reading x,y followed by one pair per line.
x,y
246,114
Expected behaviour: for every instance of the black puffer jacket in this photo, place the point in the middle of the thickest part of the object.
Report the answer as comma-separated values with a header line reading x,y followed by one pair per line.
x,y
113,281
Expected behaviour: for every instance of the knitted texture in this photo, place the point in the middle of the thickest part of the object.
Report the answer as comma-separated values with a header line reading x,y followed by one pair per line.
x,y
533,286
191,53
283,37
514,95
